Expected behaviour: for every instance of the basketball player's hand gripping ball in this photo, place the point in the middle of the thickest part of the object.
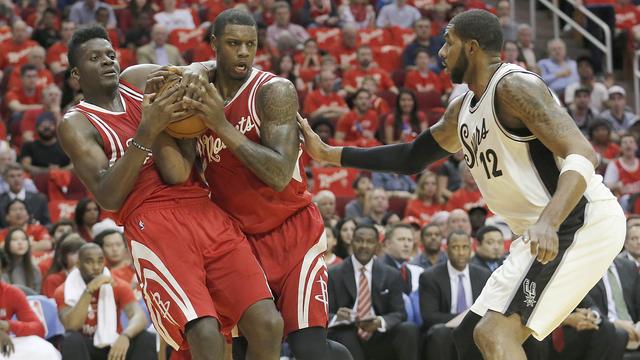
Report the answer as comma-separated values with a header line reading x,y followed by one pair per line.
x,y
158,110
210,106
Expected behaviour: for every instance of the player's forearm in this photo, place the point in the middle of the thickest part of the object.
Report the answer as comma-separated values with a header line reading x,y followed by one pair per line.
x,y
74,318
173,165
571,187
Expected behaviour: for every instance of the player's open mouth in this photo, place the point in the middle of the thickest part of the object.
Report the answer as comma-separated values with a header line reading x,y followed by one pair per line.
x,y
241,67
109,73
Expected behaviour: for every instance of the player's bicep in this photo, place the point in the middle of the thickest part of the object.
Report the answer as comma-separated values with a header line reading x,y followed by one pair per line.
x,y
87,156
136,75
277,106
445,131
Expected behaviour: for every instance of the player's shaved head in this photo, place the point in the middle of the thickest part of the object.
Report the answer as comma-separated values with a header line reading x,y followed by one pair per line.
x,y
88,248
232,17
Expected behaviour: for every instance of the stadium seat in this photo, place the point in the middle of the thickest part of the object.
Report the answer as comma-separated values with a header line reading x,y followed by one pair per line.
x,y
327,38
397,205
388,57
428,100
374,37
186,39
336,180
47,312
401,36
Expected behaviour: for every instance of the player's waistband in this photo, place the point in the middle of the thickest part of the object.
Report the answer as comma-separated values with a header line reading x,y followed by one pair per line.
x,y
169,204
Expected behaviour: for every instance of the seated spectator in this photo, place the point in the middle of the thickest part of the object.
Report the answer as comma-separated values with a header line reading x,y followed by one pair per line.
x,y
102,19
65,259
396,185
283,26
86,215
623,174
378,207
36,202
477,218
397,247
527,47
330,258
352,78
345,53
424,40
13,52
617,299
358,14
46,32
172,18
511,54
365,320
344,235
431,241
426,203
399,14
158,51
17,215
57,53
326,202
83,12
406,121
509,25
285,67
307,62
8,156
424,79
632,245
35,56
458,220
71,94
51,97
78,301
618,116
449,179
139,33
580,109
44,153
468,195
21,271
117,258
319,13
600,136
17,318
359,124
324,103
28,96
378,104
587,80
490,249
557,70
57,231
447,290
362,185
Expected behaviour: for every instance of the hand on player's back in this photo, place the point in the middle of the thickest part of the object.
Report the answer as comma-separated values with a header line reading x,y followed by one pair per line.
x,y
210,105
158,111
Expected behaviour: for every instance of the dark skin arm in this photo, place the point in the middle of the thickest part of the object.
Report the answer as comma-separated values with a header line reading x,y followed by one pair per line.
x,y
523,100
72,318
273,160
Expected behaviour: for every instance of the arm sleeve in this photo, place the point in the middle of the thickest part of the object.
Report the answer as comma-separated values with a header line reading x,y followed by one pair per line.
x,y
27,322
408,158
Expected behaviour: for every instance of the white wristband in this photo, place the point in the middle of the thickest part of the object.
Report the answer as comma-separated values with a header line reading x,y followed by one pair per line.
x,y
579,164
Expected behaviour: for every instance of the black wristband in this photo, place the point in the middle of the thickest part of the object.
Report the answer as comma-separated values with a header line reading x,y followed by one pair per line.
x,y
407,158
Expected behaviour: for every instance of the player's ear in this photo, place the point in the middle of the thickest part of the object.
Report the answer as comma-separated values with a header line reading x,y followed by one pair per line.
x,y
74,73
473,46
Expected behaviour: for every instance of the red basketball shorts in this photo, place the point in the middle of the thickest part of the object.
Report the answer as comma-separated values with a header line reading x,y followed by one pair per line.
x,y
192,261
292,257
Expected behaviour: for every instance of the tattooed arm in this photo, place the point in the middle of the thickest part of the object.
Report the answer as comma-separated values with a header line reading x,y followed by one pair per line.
x,y
523,100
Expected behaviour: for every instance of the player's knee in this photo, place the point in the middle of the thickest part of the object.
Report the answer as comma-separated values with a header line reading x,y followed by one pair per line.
x,y
203,331
483,336
262,322
271,325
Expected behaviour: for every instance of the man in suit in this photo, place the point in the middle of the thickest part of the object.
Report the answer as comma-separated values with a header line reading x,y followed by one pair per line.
x,y
431,239
366,309
36,203
490,250
158,51
398,245
447,290
617,296
632,245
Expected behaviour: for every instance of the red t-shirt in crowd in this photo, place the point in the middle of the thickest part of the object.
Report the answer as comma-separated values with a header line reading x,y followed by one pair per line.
x,y
14,302
124,273
465,199
44,78
380,105
57,53
23,98
356,127
122,294
51,282
13,54
627,16
354,77
317,99
407,133
346,57
426,82
418,209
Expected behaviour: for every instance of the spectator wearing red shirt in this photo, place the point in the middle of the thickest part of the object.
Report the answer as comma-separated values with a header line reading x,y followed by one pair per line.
x,y
13,52
17,216
406,122
117,257
325,103
423,79
58,231
64,260
378,104
17,317
353,78
57,53
29,95
46,32
345,53
600,136
623,174
426,202
86,215
627,15
35,57
467,196
307,63
51,97
319,13
78,300
361,123
357,14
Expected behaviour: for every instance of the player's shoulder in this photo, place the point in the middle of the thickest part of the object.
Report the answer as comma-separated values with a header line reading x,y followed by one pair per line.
x,y
518,83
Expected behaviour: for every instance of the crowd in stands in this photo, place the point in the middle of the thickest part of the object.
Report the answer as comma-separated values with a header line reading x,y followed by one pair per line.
x,y
367,73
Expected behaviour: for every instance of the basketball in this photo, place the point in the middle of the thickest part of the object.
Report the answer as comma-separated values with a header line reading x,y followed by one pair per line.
x,y
190,127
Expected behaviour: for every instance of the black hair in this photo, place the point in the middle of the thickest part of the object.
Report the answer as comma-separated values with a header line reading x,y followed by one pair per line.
x,y
62,222
414,122
484,230
81,209
585,58
342,248
232,17
360,90
597,123
357,180
479,25
4,261
316,124
99,239
80,37
424,228
16,200
24,261
51,11
457,233
366,226
27,67
70,243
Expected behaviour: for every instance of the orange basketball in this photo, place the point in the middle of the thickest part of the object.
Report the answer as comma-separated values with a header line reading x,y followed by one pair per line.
x,y
190,127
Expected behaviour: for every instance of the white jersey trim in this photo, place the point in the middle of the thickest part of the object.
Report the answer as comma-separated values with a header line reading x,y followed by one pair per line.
x,y
103,110
111,136
254,72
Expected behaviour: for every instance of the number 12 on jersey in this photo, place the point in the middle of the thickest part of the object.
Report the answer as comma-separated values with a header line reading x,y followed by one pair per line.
x,y
489,160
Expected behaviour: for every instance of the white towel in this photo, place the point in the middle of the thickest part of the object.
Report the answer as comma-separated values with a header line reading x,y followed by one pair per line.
x,y
107,327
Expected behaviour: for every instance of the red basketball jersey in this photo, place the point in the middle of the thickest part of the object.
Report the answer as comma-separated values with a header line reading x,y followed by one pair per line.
x,y
234,187
117,129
